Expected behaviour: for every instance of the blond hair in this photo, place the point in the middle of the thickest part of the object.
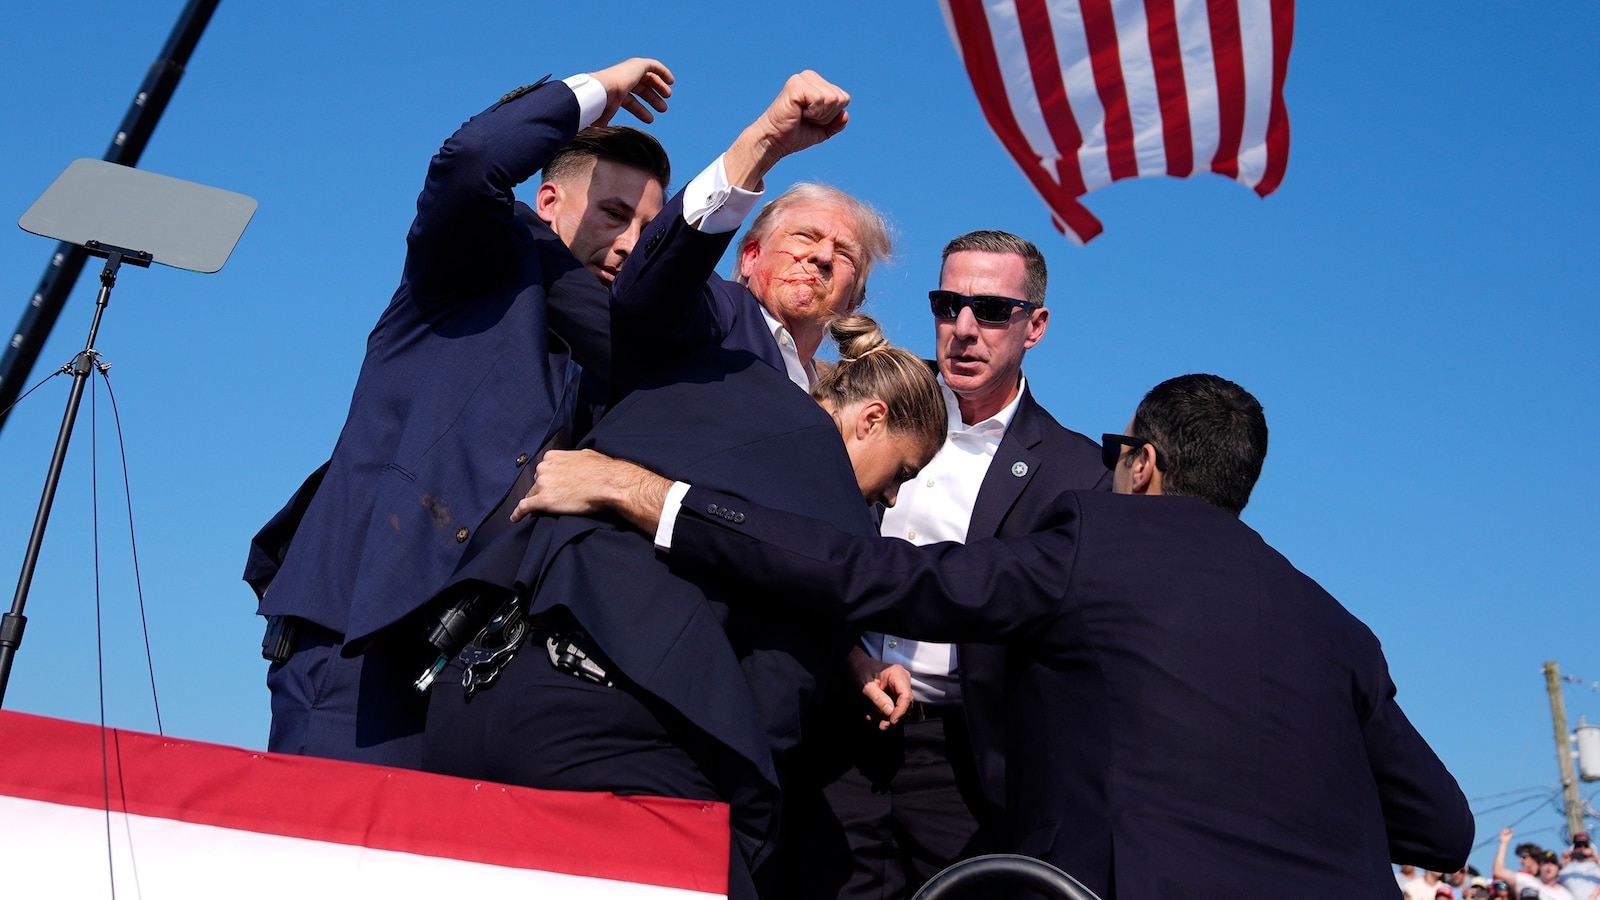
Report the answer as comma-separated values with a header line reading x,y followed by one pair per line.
x,y
869,368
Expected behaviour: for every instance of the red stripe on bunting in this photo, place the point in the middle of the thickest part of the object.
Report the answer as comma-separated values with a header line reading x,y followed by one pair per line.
x,y
1228,58
1105,59
1278,120
983,68
648,840
1166,53
1045,64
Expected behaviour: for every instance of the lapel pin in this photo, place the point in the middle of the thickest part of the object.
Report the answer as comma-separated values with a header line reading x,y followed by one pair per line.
x,y
1019,469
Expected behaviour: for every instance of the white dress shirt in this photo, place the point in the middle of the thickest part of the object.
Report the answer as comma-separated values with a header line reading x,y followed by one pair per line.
x,y
933,507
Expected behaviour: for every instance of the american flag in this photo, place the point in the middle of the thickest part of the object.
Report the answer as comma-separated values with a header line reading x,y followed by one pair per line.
x,y
1086,92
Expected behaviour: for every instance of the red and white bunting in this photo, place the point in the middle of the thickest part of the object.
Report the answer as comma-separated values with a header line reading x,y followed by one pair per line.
x,y
90,812
1086,92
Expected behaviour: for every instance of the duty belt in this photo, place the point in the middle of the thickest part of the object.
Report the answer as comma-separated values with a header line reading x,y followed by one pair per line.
x,y
570,649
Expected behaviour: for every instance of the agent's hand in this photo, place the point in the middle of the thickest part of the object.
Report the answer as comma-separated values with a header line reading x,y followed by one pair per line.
x,y
584,482
631,85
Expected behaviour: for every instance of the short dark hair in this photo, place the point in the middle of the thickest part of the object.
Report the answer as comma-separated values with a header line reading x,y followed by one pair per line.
x,y
1528,848
1212,435
1035,274
611,143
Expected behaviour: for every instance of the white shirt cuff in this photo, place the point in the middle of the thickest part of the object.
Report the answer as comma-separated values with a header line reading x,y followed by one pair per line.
x,y
591,98
669,515
714,206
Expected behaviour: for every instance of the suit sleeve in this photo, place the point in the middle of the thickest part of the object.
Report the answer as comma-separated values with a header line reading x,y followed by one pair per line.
x,y
1428,819
989,590
663,304
466,234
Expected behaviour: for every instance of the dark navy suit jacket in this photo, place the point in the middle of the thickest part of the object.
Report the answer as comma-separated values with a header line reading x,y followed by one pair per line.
x,y
1185,707
741,674
467,373
1054,460
712,312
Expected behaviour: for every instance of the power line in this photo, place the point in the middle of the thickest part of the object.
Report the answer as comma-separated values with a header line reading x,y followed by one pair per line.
x,y
1541,787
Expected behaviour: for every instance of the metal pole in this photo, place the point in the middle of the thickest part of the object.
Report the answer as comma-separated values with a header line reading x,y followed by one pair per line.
x,y
1569,779
66,263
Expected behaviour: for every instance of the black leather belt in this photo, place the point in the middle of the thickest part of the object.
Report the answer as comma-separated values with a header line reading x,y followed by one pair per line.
x,y
923,712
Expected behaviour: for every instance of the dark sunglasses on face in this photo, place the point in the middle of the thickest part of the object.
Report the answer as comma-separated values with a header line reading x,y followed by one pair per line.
x,y
986,308
1111,449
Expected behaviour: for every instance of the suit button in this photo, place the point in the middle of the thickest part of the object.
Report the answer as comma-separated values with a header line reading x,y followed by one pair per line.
x,y
737,518
711,509
461,535
522,460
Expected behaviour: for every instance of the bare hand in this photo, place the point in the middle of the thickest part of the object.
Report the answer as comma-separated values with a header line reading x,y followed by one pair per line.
x,y
887,687
584,482
633,83
808,111
571,482
1505,835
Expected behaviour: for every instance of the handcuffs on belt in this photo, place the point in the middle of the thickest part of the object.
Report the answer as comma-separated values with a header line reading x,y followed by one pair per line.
x,y
571,650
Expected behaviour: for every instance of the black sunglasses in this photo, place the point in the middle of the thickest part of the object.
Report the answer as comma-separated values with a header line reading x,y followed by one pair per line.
x,y
986,308
1111,449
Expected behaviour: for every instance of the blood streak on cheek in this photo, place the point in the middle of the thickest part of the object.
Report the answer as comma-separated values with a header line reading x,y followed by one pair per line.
x,y
805,277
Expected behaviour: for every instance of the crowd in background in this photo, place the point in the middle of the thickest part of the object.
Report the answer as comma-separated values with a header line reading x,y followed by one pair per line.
x,y
1573,874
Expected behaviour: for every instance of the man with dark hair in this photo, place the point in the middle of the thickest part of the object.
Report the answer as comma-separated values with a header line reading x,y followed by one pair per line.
x,y
587,185
907,790
1215,436
472,369
1167,725
1528,854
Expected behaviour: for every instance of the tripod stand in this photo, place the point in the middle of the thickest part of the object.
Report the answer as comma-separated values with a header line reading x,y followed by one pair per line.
x,y
106,209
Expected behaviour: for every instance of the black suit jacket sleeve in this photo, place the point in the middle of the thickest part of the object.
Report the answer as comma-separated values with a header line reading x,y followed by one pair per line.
x,y
988,590
1429,822
662,306
466,235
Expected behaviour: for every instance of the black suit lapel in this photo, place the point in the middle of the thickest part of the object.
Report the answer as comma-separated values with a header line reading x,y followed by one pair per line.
x,y
1015,463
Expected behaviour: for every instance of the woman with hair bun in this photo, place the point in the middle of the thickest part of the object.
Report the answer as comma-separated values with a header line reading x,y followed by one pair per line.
x,y
887,405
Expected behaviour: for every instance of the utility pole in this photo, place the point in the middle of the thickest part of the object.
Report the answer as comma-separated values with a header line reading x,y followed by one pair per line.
x,y
1569,778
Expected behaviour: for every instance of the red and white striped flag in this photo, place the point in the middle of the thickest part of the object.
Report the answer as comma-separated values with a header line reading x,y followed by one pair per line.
x,y
1085,92
90,812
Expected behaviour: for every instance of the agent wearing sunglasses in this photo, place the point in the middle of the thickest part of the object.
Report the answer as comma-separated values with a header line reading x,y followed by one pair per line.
x,y
920,726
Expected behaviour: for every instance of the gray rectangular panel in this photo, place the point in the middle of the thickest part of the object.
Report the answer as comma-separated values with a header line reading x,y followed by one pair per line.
x,y
179,223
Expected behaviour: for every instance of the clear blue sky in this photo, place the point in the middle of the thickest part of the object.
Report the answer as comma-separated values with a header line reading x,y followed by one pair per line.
x,y
1416,308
